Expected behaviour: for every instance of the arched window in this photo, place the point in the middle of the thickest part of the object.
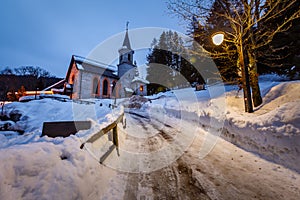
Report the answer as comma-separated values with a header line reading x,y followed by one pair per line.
x,y
141,88
105,87
95,86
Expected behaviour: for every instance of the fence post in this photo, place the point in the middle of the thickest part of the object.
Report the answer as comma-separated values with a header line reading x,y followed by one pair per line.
x,y
115,138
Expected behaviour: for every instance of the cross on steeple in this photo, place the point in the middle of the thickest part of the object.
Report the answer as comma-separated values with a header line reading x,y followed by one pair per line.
x,y
127,25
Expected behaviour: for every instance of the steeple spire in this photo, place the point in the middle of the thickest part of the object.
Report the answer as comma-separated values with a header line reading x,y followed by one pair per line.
x,y
125,55
126,41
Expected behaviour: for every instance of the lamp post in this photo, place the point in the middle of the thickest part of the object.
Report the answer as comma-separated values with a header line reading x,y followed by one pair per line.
x,y
218,39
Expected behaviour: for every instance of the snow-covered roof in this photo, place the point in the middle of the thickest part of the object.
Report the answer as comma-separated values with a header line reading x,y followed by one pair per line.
x,y
128,90
79,66
79,60
139,79
86,64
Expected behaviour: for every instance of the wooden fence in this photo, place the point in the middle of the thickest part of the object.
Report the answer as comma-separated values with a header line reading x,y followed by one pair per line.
x,y
113,126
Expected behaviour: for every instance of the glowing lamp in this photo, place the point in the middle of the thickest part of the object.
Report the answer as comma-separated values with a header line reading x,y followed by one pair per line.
x,y
218,38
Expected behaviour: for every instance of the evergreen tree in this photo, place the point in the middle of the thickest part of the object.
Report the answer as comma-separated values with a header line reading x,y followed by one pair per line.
x,y
168,65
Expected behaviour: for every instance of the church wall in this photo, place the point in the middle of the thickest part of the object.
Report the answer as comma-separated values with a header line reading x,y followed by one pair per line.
x,y
87,81
87,85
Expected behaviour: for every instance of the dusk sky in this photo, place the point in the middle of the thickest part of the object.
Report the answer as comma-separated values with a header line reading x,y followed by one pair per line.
x,y
46,33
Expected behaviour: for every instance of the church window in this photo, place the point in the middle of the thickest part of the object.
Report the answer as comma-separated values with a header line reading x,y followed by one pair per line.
x,y
95,86
105,87
141,88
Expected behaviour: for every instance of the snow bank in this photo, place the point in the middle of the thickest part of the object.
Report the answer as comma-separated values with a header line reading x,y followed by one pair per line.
x,y
45,170
273,130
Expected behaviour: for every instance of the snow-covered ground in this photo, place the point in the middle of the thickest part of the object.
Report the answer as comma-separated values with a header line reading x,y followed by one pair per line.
x,y
34,167
272,131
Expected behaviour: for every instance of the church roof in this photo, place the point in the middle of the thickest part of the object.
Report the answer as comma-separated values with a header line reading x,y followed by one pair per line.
x,y
126,41
81,60
89,65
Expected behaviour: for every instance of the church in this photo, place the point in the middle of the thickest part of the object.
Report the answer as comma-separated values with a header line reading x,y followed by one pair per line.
x,y
88,78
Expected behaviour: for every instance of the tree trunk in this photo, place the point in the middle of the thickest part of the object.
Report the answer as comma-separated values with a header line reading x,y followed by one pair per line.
x,y
256,96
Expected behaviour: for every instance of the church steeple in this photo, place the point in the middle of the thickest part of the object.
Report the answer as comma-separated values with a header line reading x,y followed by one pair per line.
x,y
125,52
126,42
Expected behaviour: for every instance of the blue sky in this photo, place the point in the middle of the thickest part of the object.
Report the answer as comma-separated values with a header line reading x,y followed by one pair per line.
x,y
46,33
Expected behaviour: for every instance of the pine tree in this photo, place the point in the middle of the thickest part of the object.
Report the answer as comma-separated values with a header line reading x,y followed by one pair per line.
x,y
168,65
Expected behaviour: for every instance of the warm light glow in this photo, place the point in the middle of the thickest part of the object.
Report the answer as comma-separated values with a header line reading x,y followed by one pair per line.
x,y
218,38
30,93
141,88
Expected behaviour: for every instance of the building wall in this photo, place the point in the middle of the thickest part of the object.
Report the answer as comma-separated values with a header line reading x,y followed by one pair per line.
x,y
136,86
87,86
126,74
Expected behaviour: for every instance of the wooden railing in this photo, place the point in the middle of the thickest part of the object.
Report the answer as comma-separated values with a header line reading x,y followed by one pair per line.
x,y
113,126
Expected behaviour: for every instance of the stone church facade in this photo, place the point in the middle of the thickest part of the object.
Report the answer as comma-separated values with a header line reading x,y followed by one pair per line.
x,y
91,79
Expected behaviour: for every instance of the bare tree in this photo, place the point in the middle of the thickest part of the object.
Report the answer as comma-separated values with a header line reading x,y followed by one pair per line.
x,y
31,71
247,29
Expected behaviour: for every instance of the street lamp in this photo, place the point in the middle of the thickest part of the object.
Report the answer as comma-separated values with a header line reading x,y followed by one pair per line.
x,y
218,39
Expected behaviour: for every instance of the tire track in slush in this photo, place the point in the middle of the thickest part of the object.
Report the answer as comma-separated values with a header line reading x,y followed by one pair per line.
x,y
171,182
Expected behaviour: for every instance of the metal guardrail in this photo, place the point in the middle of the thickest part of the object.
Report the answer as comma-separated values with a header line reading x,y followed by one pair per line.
x,y
113,126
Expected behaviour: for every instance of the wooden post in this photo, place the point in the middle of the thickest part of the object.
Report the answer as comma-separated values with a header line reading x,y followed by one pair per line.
x,y
115,138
